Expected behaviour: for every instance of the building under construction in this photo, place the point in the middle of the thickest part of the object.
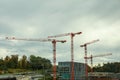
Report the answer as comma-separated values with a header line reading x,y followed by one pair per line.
x,y
65,71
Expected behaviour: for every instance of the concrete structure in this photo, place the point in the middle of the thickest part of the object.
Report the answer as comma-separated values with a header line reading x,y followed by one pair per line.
x,y
64,70
7,77
22,76
101,76
117,76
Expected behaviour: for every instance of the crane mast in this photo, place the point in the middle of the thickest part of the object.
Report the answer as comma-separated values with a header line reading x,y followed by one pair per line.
x,y
72,49
85,49
43,40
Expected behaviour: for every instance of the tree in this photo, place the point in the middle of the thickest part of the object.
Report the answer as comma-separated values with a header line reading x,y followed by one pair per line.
x,y
39,63
24,61
7,61
13,61
35,62
108,67
2,65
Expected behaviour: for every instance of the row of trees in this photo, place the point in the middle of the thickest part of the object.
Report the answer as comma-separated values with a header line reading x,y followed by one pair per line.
x,y
108,67
36,63
32,62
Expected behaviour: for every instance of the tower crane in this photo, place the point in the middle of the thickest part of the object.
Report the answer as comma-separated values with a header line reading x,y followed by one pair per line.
x,y
91,58
43,40
85,48
72,52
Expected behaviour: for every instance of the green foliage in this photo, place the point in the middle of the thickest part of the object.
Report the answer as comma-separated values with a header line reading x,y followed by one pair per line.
x,y
2,65
13,62
109,67
34,63
23,63
16,70
39,63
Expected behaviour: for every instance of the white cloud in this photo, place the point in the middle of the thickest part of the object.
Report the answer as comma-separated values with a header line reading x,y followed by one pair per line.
x,y
3,52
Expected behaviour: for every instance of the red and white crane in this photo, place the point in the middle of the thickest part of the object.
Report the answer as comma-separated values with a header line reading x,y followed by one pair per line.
x,y
72,48
43,40
91,58
85,48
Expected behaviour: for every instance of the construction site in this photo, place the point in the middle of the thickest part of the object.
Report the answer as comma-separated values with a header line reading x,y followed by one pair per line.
x,y
59,40
71,70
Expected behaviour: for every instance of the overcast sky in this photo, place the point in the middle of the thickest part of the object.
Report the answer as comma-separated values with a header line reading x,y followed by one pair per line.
x,y
96,19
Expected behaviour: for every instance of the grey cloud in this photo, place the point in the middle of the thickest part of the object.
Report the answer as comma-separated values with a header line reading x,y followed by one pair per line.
x,y
40,18
19,8
5,29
